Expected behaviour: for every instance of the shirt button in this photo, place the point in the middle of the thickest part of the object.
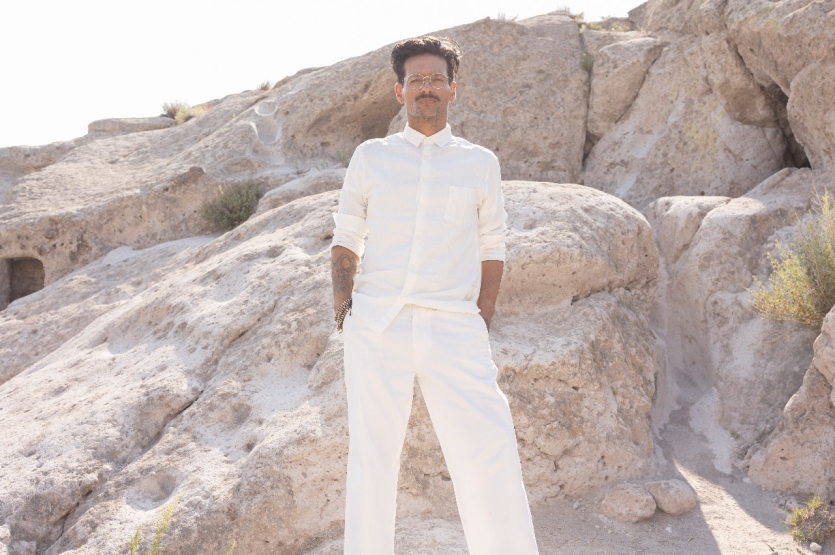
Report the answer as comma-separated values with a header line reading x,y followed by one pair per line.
x,y
422,207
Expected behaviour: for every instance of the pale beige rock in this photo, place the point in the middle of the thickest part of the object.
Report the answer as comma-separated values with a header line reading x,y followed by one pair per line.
x,y
617,76
797,457
594,40
529,73
777,40
812,112
31,329
139,189
123,126
216,378
323,114
685,16
629,503
311,184
740,94
674,497
743,367
677,138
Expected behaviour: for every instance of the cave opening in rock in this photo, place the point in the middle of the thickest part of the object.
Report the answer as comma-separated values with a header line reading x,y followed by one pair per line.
x,y
19,277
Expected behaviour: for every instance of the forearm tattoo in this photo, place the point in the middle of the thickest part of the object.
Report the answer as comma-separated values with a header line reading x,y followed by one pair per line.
x,y
343,272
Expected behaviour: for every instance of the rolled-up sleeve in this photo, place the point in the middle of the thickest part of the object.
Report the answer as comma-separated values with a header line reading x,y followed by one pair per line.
x,y
351,228
492,217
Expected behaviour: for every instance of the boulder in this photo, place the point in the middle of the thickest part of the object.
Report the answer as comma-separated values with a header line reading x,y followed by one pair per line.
x,y
678,139
741,96
629,503
674,497
797,456
216,378
522,93
617,76
311,184
778,40
697,17
745,368
812,112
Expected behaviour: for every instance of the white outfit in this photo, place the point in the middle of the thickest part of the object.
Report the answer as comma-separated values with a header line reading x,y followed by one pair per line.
x,y
433,210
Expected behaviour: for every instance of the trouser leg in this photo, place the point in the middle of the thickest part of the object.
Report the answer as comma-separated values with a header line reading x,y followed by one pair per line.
x,y
473,423
379,381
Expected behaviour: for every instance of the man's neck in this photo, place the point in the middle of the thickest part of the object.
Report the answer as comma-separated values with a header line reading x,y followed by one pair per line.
x,y
427,127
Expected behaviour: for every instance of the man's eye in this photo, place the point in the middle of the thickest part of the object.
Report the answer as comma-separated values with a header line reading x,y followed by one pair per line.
x,y
438,81
416,81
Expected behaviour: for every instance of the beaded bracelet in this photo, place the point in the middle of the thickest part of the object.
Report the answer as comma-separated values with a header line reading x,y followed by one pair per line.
x,y
341,312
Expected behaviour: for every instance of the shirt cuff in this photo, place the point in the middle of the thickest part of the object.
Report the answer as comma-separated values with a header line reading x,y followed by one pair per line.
x,y
349,233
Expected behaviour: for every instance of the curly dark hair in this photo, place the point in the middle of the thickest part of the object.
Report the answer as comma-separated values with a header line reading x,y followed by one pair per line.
x,y
444,47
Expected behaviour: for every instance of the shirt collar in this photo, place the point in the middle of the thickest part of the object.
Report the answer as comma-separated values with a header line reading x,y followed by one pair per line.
x,y
441,138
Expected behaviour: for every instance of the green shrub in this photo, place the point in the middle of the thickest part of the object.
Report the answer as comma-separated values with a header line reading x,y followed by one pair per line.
x,y
233,206
162,522
181,112
812,522
802,283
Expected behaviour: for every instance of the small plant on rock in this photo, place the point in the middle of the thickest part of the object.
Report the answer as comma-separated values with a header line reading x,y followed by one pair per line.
x,y
264,86
587,61
233,206
812,522
802,283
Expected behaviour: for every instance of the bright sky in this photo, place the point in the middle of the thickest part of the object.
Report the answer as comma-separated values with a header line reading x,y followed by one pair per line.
x,y
67,63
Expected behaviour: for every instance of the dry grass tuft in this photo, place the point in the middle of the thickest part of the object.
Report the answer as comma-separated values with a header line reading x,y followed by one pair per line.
x,y
802,283
264,86
812,522
181,112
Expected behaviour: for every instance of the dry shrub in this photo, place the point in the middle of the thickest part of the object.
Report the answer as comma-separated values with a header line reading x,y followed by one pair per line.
x,y
802,283
181,112
812,522
233,206
264,86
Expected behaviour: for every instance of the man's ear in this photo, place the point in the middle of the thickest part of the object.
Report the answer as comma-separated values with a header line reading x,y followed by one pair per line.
x,y
398,92
452,87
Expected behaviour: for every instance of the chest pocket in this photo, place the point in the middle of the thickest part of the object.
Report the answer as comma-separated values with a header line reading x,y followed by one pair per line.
x,y
460,204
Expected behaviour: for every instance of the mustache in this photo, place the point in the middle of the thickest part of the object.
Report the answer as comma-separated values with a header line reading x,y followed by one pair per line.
x,y
430,95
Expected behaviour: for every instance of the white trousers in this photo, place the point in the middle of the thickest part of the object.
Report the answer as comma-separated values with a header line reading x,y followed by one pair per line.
x,y
450,355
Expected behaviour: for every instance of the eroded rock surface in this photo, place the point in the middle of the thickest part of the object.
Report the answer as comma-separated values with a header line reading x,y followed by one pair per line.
x,y
617,75
746,367
797,457
219,380
678,139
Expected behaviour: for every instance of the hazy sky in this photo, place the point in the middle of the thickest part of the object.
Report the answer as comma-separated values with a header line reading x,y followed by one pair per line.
x,y
69,63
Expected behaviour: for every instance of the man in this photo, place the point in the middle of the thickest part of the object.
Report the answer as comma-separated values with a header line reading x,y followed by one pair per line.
x,y
432,208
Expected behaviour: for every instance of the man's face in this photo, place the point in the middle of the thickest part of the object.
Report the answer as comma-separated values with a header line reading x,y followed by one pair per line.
x,y
425,103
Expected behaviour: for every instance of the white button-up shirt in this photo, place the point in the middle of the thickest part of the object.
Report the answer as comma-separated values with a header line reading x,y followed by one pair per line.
x,y
432,208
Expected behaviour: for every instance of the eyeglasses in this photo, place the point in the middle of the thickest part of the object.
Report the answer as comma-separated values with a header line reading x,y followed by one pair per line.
x,y
436,80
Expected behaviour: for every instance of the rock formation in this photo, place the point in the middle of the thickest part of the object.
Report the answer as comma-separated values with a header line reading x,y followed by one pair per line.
x,y
216,377
145,357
